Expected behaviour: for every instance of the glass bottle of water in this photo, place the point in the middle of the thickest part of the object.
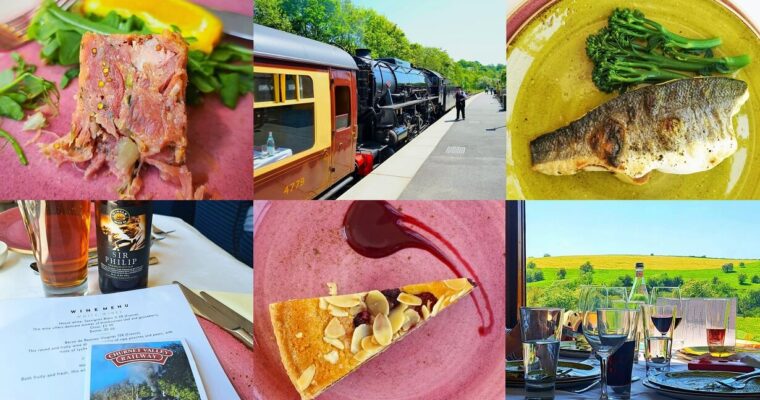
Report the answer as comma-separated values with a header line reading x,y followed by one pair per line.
x,y
639,295
270,145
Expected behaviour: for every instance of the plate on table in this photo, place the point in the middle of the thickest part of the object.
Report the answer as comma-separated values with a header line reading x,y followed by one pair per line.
x,y
687,382
13,232
569,349
299,248
550,86
570,373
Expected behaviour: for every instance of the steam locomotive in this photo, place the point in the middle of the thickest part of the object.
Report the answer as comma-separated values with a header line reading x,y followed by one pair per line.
x,y
323,118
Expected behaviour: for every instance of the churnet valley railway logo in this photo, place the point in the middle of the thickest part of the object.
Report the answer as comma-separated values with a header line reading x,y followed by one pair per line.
x,y
139,354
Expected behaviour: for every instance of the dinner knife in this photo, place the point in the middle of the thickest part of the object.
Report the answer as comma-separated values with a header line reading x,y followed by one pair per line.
x,y
244,323
237,25
215,316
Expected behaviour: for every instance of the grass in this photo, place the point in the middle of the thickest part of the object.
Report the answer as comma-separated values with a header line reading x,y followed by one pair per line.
x,y
607,268
626,262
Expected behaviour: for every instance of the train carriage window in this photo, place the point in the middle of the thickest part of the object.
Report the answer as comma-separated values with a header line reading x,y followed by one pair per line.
x,y
290,87
292,128
306,87
263,87
342,107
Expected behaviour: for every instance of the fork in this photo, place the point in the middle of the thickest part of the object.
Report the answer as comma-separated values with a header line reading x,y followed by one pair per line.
x,y
735,383
159,231
13,32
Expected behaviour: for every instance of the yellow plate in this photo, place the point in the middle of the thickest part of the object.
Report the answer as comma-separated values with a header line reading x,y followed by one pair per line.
x,y
549,86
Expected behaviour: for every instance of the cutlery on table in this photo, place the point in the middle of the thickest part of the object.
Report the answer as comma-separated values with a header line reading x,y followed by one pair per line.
x,y
13,32
158,231
735,383
215,316
596,382
245,324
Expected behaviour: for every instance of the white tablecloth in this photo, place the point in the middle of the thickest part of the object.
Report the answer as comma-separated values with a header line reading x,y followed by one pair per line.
x,y
185,256
638,391
260,160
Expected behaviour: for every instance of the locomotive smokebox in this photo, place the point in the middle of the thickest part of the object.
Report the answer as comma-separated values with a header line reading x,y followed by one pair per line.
x,y
364,53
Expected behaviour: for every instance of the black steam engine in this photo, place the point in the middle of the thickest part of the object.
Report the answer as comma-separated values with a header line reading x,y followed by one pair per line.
x,y
397,101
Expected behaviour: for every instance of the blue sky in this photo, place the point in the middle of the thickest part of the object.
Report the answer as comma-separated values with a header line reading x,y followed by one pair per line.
x,y
479,36
712,228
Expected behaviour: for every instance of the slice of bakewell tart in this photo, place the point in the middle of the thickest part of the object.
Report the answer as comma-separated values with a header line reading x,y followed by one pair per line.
x,y
323,339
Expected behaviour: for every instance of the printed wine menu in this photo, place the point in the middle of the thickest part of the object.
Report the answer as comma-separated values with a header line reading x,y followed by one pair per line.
x,y
50,341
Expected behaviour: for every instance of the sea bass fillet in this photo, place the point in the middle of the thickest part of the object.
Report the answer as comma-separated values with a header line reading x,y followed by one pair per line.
x,y
677,127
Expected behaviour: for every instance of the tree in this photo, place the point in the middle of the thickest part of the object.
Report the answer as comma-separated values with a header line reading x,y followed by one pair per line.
x,y
561,273
728,268
741,264
587,267
586,278
756,279
625,280
742,278
547,255
531,265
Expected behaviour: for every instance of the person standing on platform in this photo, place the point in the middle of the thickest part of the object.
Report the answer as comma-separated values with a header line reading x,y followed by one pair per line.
x,y
460,98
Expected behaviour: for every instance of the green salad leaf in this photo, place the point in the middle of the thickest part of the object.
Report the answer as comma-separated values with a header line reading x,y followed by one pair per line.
x,y
60,33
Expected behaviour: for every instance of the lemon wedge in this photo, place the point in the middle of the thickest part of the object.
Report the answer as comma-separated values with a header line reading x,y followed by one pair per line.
x,y
159,15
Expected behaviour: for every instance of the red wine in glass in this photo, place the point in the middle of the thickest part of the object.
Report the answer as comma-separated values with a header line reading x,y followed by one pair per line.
x,y
716,336
662,323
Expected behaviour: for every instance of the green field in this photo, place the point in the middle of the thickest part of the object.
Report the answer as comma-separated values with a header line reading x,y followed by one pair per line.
x,y
607,269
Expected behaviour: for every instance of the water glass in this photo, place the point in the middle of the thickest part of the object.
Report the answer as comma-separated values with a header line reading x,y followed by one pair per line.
x,y
717,312
541,330
658,323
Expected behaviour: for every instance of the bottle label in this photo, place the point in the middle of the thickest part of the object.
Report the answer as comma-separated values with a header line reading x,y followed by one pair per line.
x,y
123,243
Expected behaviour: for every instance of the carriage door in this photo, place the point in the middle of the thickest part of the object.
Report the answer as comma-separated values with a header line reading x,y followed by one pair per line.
x,y
344,126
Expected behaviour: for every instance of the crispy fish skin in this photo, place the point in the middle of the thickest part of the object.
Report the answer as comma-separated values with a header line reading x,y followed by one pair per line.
x,y
678,127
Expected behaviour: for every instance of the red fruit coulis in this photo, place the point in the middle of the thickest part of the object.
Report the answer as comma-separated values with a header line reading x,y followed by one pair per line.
x,y
376,229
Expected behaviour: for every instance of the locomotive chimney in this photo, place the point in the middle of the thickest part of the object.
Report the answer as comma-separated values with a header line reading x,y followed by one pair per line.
x,y
363,53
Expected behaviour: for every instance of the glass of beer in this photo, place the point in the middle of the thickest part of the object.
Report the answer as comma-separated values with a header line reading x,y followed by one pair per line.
x,y
59,232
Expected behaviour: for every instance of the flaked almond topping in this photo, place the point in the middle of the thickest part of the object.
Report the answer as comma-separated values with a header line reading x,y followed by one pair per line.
x,y
306,377
381,330
456,284
322,303
362,355
334,342
367,343
334,329
438,306
412,319
360,333
425,312
332,288
345,301
377,303
299,335
331,357
337,311
409,299
397,317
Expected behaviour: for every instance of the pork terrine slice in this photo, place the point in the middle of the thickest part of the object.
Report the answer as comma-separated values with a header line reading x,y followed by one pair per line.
x,y
130,111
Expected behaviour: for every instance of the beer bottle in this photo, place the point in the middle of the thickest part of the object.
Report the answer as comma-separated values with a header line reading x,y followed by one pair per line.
x,y
124,232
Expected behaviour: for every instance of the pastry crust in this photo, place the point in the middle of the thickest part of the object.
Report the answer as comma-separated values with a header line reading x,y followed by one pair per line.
x,y
302,329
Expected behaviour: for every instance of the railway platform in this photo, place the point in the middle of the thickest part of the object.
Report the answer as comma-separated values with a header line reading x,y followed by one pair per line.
x,y
450,160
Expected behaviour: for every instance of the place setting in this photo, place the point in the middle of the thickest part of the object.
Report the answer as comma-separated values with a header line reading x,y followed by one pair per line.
x,y
623,341
90,310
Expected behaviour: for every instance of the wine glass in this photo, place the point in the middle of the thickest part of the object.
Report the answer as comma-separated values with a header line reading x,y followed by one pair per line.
x,y
606,332
592,298
671,296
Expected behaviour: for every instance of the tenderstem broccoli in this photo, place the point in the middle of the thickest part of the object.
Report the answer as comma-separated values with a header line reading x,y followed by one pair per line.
x,y
629,52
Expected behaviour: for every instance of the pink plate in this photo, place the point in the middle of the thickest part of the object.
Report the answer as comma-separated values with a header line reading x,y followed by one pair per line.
x,y
299,247
218,154
13,233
